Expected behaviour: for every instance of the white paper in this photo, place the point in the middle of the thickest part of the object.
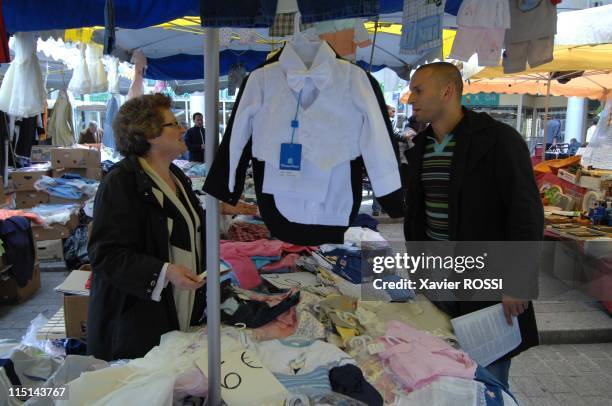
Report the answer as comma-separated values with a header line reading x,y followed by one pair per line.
x,y
75,283
222,269
485,335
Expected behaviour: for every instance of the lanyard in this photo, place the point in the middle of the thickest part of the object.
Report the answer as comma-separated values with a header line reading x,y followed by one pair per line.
x,y
295,123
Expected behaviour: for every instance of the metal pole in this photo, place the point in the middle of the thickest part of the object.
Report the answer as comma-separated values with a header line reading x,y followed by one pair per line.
x,y
213,294
373,43
519,116
546,105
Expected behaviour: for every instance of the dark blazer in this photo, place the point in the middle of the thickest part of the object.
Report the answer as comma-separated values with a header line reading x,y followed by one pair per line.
x,y
194,143
493,196
128,247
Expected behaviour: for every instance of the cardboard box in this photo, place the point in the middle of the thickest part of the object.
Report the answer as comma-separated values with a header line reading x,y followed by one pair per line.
x,y
55,231
26,200
590,182
41,153
75,315
75,158
59,200
11,293
88,173
50,250
568,176
76,302
24,178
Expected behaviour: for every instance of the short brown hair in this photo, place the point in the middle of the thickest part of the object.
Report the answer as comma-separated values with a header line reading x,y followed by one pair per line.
x,y
446,73
139,120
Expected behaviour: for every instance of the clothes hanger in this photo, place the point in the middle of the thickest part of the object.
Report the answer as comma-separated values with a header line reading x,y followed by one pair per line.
x,y
305,43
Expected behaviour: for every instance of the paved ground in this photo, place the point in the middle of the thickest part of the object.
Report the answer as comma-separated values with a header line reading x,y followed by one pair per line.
x,y
15,320
563,375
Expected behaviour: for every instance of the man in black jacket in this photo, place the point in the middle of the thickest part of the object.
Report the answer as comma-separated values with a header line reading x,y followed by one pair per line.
x,y
194,138
470,179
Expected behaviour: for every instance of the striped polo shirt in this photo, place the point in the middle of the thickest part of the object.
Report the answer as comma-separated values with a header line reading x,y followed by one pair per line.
x,y
435,176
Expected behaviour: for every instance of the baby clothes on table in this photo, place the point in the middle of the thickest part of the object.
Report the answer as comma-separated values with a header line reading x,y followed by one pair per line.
x,y
247,232
288,261
235,309
301,365
417,358
239,256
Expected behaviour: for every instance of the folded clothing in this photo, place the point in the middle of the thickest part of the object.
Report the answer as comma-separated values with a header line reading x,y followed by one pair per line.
x,y
252,313
416,358
247,232
349,380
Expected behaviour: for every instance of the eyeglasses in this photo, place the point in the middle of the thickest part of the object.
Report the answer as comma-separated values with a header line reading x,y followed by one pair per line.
x,y
174,124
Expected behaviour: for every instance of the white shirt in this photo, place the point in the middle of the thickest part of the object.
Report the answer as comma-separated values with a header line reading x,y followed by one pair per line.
x,y
339,120
590,133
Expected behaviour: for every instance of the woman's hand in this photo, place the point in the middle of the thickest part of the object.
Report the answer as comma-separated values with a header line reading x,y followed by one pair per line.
x,y
182,277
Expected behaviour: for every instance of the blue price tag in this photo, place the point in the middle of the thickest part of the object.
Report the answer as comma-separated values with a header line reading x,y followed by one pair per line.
x,y
291,157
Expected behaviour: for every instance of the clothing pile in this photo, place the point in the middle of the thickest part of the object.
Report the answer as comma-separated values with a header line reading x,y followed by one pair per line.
x,y
55,213
69,186
192,169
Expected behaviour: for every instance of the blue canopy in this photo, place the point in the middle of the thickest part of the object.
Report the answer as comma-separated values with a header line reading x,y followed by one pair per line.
x,y
188,67
36,15
39,15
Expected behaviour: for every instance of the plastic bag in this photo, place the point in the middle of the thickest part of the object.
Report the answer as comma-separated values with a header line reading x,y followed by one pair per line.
x,y
75,248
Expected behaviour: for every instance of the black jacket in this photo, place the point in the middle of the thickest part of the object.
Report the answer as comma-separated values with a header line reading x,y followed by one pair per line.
x,y
493,196
128,247
193,139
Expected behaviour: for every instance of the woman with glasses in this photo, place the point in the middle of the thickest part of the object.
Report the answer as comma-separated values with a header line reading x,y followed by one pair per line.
x,y
147,241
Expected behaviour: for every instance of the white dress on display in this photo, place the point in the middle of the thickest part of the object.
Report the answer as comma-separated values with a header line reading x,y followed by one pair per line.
x,y
22,93
60,122
97,74
81,81
113,76
140,64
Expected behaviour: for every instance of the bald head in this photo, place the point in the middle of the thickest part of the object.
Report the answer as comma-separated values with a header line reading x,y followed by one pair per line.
x,y
445,73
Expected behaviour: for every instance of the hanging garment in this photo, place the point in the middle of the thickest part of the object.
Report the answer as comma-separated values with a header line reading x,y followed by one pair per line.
x,y
422,23
80,83
482,27
140,64
26,134
22,93
97,74
109,27
530,38
60,123
113,76
342,125
108,136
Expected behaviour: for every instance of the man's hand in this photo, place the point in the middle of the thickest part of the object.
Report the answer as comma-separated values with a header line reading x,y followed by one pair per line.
x,y
513,307
182,277
203,146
